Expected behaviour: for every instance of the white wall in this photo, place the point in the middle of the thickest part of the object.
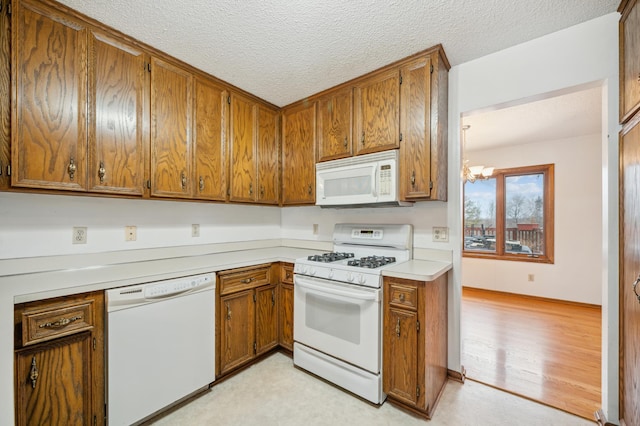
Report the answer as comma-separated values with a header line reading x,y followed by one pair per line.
x,y
576,274
582,54
41,225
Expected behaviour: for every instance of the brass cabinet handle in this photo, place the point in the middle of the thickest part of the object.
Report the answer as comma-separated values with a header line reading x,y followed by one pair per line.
x,y
33,374
413,178
72,168
250,188
101,172
183,180
273,298
288,275
309,189
246,280
362,139
402,297
62,322
201,183
261,191
635,290
638,78
228,312
398,327
346,141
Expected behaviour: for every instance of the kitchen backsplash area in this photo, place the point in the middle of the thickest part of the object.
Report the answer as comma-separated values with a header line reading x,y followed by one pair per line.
x,y
42,225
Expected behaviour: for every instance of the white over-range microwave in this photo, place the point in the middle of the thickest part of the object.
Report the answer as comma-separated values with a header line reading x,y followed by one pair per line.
x,y
369,180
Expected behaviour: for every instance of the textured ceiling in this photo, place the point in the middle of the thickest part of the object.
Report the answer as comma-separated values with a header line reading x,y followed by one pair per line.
x,y
283,51
558,117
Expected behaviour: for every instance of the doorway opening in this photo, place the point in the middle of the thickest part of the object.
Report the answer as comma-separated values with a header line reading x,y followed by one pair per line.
x,y
533,327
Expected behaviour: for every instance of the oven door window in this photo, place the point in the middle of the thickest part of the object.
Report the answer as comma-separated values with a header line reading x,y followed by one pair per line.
x,y
340,320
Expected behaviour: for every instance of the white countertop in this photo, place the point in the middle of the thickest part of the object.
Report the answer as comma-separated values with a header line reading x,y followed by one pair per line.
x,y
418,270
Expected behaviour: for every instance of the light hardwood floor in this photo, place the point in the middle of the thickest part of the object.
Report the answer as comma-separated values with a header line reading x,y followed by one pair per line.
x,y
544,350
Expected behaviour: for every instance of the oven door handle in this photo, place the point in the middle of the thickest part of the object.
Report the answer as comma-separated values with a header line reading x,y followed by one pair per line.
x,y
359,295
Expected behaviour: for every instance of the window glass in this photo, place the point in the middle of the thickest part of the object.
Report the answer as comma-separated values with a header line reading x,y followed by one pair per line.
x,y
524,214
480,215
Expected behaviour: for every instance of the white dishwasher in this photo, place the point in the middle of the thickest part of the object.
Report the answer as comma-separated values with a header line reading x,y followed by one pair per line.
x,y
161,345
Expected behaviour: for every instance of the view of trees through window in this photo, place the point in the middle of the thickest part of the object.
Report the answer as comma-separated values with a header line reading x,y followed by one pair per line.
x,y
508,214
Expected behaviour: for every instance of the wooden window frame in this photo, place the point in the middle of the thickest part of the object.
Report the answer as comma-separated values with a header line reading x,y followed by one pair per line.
x,y
547,170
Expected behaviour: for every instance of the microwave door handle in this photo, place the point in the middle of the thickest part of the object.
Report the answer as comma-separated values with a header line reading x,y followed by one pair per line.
x,y
335,292
374,181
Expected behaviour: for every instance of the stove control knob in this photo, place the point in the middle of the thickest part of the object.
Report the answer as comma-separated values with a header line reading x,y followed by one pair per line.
x,y
361,279
331,274
304,270
312,271
350,277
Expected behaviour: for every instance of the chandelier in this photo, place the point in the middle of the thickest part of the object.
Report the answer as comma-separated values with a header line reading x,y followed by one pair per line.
x,y
472,173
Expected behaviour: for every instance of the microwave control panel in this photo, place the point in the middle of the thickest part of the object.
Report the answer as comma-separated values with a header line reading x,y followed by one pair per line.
x,y
385,176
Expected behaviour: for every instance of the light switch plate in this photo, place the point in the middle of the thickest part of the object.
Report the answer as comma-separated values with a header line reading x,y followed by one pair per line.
x,y
441,234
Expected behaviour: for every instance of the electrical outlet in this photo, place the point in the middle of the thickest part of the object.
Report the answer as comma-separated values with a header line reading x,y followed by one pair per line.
x,y
440,234
315,229
195,230
79,235
531,278
130,233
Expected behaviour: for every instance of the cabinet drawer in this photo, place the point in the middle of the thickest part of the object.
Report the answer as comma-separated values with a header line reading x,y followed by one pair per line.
x,y
244,278
286,273
403,296
48,323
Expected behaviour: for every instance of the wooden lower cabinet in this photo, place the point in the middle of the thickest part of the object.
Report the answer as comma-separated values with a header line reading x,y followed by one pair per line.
x,y
59,361
247,316
286,306
414,344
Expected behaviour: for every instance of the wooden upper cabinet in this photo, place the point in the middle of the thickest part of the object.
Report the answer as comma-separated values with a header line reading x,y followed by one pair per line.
x,y
210,137
415,128
629,59
5,100
423,128
376,111
118,88
242,131
171,115
49,121
298,159
335,120
268,153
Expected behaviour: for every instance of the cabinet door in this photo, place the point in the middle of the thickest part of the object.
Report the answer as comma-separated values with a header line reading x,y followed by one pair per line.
x,y
243,150
334,125
5,100
415,121
49,119
237,329
171,117
400,370
117,92
298,159
210,137
266,318
54,382
377,110
630,60
286,316
268,144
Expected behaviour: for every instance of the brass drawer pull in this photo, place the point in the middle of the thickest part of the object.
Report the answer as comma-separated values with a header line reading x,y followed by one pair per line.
x,y
33,374
402,297
62,322
72,168
102,172
247,280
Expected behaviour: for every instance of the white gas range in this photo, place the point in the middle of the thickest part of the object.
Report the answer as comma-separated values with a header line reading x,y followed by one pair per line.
x,y
337,307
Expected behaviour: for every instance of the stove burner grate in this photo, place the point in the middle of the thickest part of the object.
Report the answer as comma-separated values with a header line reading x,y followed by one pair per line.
x,y
330,257
371,261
